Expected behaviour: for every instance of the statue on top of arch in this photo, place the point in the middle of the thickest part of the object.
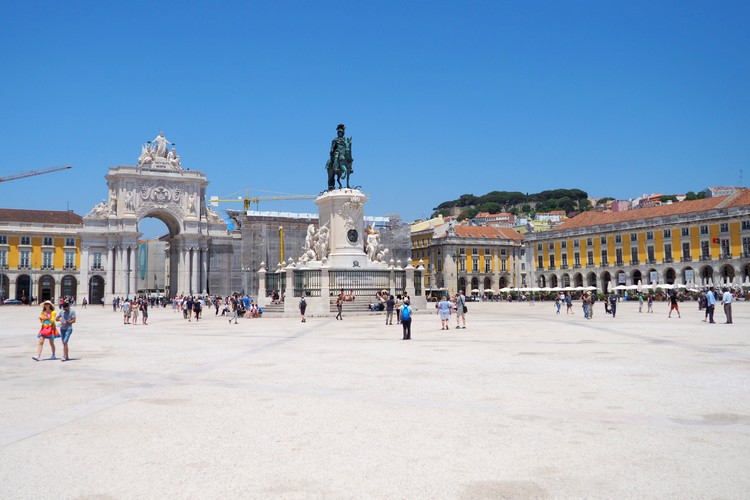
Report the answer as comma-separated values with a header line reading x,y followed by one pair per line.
x,y
155,153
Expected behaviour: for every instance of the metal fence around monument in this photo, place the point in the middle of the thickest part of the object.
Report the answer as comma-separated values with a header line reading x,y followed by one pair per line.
x,y
307,281
399,278
417,283
362,283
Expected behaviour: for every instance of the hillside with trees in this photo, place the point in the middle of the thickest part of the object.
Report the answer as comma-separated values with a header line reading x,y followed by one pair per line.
x,y
515,202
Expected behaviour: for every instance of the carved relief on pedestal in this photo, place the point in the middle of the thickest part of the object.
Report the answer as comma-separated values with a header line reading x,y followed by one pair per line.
x,y
351,212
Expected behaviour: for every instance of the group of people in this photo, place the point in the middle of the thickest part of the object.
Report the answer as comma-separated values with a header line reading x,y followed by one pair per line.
x,y
713,297
49,318
131,309
456,305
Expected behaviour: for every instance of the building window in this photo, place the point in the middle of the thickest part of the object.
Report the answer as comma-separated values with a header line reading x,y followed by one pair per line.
x,y
539,263
589,241
603,240
685,231
605,259
487,266
475,264
618,256
649,235
564,261
439,266
4,258
725,251
504,266
704,229
686,257
577,259
70,242
705,250
724,227
745,247
650,253
523,266
667,252
745,227
4,239
474,251
488,251
539,247
70,260
634,237
667,233
634,255
47,241
47,260
23,261
551,245
25,240
503,252
590,258
618,238
97,261
551,261
576,243
563,244
462,251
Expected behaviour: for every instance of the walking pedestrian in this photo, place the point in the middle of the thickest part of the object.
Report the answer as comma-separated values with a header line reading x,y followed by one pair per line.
x,y
66,318
613,303
673,306
340,305
650,303
406,320
126,311
48,330
444,310
302,308
727,300
390,305
711,304
461,310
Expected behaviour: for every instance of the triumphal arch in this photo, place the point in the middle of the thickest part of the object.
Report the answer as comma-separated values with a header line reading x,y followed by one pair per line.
x,y
199,247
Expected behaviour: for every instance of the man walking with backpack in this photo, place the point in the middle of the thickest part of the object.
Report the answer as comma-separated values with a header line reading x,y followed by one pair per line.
x,y
461,309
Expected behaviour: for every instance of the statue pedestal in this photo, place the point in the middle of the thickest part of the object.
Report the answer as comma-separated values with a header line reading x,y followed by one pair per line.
x,y
343,211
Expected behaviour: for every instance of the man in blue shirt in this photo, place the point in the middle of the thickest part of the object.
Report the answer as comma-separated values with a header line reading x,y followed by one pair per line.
x,y
711,304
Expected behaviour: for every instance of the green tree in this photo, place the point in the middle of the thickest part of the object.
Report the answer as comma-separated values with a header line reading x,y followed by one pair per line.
x,y
525,208
468,213
584,204
491,207
604,201
668,197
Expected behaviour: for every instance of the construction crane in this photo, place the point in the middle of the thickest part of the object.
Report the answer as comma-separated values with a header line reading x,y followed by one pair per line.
x,y
247,200
32,173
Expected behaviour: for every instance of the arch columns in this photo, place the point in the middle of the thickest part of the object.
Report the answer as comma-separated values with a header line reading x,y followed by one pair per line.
x,y
204,270
194,271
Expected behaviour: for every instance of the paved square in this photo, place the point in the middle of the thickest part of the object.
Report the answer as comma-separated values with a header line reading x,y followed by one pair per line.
x,y
521,404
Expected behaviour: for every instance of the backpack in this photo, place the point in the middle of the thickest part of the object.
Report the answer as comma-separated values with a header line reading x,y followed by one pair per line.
x,y
405,313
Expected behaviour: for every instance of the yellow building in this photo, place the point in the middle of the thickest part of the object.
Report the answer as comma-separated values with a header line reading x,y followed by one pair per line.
x,y
40,254
690,242
459,257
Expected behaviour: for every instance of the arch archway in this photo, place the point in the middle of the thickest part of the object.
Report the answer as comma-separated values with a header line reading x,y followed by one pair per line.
x,y
68,286
553,280
606,279
474,284
688,275
726,274
591,279
636,276
670,276
707,274
487,284
745,273
46,288
577,280
566,279
23,288
96,289
503,282
462,283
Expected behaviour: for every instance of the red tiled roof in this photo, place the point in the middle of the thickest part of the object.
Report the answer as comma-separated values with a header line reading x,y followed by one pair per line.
x,y
588,219
39,216
490,232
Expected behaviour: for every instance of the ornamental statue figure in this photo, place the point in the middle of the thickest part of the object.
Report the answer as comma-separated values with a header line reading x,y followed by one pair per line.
x,y
340,162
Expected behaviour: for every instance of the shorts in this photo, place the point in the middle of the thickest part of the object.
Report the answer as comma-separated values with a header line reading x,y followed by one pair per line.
x,y
460,312
65,334
445,315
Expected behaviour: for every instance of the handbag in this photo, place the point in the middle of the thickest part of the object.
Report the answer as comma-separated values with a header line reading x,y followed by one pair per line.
x,y
466,309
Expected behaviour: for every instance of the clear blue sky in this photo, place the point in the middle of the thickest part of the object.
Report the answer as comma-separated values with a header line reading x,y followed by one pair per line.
x,y
441,98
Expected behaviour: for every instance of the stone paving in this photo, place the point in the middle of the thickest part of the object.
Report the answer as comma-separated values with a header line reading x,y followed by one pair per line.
x,y
521,404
